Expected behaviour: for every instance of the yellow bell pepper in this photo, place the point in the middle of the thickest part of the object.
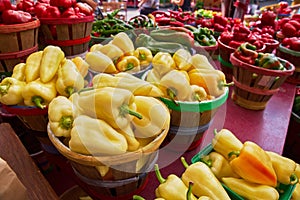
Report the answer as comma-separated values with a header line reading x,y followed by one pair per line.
x,y
200,61
153,76
92,136
11,91
284,168
198,93
128,64
156,117
33,62
81,65
39,94
69,80
128,82
176,85
213,81
225,142
250,190
95,47
132,143
60,115
171,188
162,63
111,50
189,193
123,41
100,62
205,182
52,58
253,164
219,165
182,59
144,55
19,72
114,105
296,192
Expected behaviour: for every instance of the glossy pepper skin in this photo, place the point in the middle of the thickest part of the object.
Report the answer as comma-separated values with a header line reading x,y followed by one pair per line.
x,y
225,142
171,188
111,50
268,61
100,62
284,168
213,81
60,114
19,72
176,85
113,105
156,117
199,61
162,63
254,165
198,93
182,59
144,55
219,165
205,182
132,143
52,58
16,17
33,62
95,136
251,190
81,65
11,91
69,79
128,64
39,94
123,41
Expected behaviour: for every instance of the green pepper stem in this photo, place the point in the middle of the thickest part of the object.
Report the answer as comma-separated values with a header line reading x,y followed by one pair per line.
x,y
294,179
208,162
137,197
66,122
215,132
142,56
4,88
233,153
222,84
197,97
37,100
125,110
189,192
158,174
172,94
130,66
183,161
69,90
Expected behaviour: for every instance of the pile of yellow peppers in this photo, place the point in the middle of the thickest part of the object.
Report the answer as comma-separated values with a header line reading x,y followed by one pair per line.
x,y
112,117
44,75
186,77
119,55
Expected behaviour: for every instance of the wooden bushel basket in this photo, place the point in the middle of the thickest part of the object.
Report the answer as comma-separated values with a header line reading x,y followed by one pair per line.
x,y
17,41
71,35
254,86
126,173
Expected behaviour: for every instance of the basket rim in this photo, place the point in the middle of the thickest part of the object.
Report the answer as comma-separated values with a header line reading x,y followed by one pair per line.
x,y
238,63
91,160
289,51
233,49
56,21
20,27
24,110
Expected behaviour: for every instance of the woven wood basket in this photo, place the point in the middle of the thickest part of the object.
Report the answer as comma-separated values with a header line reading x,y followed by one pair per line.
x,y
127,173
254,86
71,35
17,41
294,58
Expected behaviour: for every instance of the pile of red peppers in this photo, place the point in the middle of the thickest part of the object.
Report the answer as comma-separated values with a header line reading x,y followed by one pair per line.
x,y
174,18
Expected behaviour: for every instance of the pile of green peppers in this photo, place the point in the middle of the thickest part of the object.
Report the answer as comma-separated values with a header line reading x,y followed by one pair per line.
x,y
204,36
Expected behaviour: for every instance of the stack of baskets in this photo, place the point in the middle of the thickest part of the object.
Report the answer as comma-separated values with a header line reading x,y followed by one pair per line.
x,y
71,35
17,41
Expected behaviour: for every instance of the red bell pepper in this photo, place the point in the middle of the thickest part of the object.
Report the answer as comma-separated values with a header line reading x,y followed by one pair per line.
x,y
235,44
176,23
5,5
52,12
84,8
40,9
226,37
16,17
219,28
63,3
220,20
289,30
268,18
25,5
259,44
163,20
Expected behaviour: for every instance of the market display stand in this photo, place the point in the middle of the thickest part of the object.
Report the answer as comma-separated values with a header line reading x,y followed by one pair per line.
x,y
15,154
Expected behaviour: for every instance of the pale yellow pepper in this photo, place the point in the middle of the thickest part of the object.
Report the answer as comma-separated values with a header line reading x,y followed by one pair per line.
x,y
123,41
33,62
11,91
19,72
182,59
100,62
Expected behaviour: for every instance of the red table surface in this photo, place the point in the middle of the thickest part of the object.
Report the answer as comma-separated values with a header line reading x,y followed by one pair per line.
x,y
267,127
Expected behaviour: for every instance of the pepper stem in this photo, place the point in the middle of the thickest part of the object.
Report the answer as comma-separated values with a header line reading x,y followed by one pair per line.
x,y
65,122
208,162
222,84
69,90
233,153
172,94
294,179
183,161
189,192
197,97
130,66
158,174
125,110
4,88
137,197
37,100
215,132
142,56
